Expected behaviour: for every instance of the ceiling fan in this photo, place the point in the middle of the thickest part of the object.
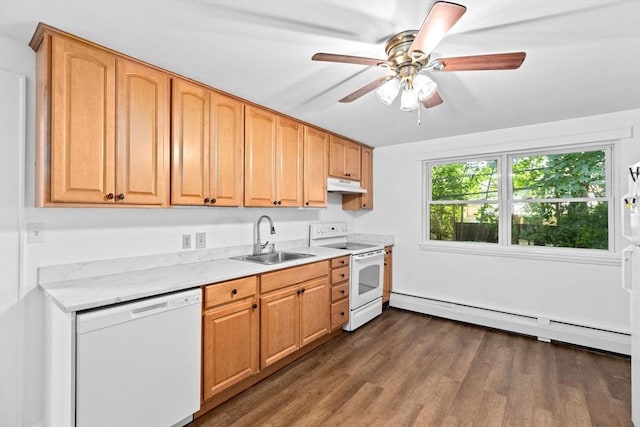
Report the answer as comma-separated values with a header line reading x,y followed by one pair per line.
x,y
409,55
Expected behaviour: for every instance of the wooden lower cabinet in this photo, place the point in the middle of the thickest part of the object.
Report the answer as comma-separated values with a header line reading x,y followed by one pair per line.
x,y
388,273
339,291
229,334
295,313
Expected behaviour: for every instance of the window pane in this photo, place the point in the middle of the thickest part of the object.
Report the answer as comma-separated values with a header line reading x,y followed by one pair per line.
x,y
465,181
464,223
556,176
572,225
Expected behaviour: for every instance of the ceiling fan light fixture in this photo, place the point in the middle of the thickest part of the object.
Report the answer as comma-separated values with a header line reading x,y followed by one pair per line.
x,y
388,91
424,86
409,99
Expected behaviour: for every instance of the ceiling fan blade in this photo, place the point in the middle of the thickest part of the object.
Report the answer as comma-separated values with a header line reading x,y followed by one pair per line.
x,y
498,61
366,89
348,59
436,25
434,100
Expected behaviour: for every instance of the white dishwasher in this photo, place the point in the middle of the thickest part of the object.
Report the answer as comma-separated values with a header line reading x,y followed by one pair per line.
x,y
138,363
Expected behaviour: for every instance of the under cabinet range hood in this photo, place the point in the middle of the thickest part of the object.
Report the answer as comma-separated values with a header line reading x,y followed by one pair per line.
x,y
337,185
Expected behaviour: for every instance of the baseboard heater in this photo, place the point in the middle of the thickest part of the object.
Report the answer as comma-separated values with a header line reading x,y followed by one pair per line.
x,y
544,329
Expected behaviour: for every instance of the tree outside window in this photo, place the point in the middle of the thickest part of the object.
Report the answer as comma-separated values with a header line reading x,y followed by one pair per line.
x,y
557,199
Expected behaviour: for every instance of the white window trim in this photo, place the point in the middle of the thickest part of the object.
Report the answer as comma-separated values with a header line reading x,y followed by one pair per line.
x,y
503,248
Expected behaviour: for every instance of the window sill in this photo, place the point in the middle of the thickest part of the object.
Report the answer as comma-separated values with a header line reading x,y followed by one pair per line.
x,y
557,255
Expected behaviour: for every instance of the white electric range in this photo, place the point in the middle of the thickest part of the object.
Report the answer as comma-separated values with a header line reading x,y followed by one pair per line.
x,y
366,270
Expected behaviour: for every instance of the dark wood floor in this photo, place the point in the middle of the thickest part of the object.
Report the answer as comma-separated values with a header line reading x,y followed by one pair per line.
x,y
408,369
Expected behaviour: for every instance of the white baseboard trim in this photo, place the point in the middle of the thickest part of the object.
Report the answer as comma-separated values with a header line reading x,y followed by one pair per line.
x,y
543,328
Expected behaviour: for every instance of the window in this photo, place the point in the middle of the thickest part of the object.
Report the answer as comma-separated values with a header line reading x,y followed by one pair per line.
x,y
558,199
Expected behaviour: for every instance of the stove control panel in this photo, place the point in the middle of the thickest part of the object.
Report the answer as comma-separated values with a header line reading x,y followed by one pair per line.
x,y
325,230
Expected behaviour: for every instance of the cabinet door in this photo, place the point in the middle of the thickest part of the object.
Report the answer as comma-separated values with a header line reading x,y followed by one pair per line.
x,y
315,309
289,161
366,181
316,145
388,273
230,346
259,161
279,325
227,151
142,148
352,161
337,156
82,123
189,143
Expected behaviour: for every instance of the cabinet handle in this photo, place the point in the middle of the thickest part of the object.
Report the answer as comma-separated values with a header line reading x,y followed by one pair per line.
x,y
347,174
234,292
279,202
213,201
206,200
342,262
110,196
342,313
364,205
302,290
342,290
275,202
306,203
298,292
342,275
120,196
254,306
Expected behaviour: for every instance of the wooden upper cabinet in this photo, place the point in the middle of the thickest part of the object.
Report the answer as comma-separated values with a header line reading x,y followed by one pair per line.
x,y
273,159
259,157
207,147
353,161
82,123
316,144
367,178
189,143
102,126
353,202
344,158
289,161
142,145
226,177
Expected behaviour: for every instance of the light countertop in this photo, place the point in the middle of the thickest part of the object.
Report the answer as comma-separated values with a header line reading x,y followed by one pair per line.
x,y
100,290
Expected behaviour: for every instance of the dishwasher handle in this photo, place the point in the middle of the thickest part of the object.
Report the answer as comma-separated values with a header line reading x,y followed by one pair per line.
x,y
149,310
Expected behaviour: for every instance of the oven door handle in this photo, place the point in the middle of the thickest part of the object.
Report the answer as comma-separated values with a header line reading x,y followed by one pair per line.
x,y
368,255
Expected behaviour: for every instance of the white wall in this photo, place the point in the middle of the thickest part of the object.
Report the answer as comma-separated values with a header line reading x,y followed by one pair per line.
x,y
577,293
12,88
74,235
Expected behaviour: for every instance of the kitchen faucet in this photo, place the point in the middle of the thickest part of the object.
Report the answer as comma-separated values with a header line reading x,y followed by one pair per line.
x,y
257,245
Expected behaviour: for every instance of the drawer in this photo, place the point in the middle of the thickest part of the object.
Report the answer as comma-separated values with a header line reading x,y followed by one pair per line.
x,y
291,276
340,262
233,290
339,313
339,275
339,291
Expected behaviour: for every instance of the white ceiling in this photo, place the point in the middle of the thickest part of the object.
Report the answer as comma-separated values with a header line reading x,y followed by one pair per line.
x,y
583,56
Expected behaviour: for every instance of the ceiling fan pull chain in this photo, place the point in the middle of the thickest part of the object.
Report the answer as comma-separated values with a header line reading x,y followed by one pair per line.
x,y
419,122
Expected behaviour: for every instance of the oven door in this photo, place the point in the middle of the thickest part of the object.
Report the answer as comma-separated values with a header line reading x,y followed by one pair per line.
x,y
366,278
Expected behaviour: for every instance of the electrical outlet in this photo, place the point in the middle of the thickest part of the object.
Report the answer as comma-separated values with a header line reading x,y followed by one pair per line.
x,y
35,232
186,241
201,240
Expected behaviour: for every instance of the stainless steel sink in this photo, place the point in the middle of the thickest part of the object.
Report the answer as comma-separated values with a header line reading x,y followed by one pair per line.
x,y
273,258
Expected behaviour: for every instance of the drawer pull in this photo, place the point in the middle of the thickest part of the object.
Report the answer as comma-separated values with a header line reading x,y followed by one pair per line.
x,y
234,292
342,275
342,313
342,262
342,291
254,306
